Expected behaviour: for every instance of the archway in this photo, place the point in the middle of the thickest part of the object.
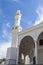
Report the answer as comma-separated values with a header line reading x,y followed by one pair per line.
x,y
26,48
40,48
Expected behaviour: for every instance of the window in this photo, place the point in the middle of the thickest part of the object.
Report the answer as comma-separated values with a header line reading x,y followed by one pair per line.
x,y
41,42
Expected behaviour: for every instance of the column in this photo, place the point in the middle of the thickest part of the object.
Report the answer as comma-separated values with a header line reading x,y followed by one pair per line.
x,y
27,59
36,52
24,59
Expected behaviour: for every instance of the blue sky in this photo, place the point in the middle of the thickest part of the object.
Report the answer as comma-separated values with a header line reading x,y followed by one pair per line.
x,y
32,14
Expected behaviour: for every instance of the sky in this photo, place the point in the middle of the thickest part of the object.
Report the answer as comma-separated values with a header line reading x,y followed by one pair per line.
x,y
32,14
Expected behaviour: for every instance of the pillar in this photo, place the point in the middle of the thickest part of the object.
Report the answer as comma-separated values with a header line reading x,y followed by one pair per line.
x,y
24,59
27,59
36,52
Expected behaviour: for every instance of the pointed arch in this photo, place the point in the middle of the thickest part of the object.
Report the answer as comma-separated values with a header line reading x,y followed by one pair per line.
x,y
26,46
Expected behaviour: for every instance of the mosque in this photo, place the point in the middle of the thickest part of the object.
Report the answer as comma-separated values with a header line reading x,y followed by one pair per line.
x,y
27,45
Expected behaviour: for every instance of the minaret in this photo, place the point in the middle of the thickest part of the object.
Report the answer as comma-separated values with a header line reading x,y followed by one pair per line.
x,y
16,29
17,18
17,21
12,52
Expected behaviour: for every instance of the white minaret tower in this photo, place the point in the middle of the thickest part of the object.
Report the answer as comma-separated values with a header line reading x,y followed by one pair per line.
x,y
17,26
12,52
16,29
17,18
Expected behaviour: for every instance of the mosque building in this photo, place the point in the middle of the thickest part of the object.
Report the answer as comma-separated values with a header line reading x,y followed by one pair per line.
x,y
27,45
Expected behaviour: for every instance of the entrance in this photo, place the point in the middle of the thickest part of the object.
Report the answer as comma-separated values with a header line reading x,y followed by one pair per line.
x,y
26,50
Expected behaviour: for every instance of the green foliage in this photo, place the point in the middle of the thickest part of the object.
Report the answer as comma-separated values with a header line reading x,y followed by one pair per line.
x,y
1,60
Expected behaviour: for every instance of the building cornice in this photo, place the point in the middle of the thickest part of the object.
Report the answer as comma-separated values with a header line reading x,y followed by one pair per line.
x,y
35,27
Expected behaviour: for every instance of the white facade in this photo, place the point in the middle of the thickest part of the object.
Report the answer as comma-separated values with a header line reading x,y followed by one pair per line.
x,y
26,42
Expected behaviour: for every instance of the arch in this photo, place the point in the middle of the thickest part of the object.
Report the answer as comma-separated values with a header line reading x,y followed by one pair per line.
x,y
26,47
40,35
39,38
40,47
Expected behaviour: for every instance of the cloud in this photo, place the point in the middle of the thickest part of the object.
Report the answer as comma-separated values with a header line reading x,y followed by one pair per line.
x,y
3,49
39,12
6,35
4,32
8,24
2,13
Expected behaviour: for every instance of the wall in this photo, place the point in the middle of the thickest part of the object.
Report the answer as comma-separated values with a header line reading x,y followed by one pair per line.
x,y
34,32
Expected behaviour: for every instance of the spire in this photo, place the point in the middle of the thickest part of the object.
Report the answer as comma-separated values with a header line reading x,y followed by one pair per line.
x,y
17,18
17,21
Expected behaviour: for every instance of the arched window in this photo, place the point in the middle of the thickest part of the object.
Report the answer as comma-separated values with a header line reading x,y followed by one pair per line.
x,y
41,42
